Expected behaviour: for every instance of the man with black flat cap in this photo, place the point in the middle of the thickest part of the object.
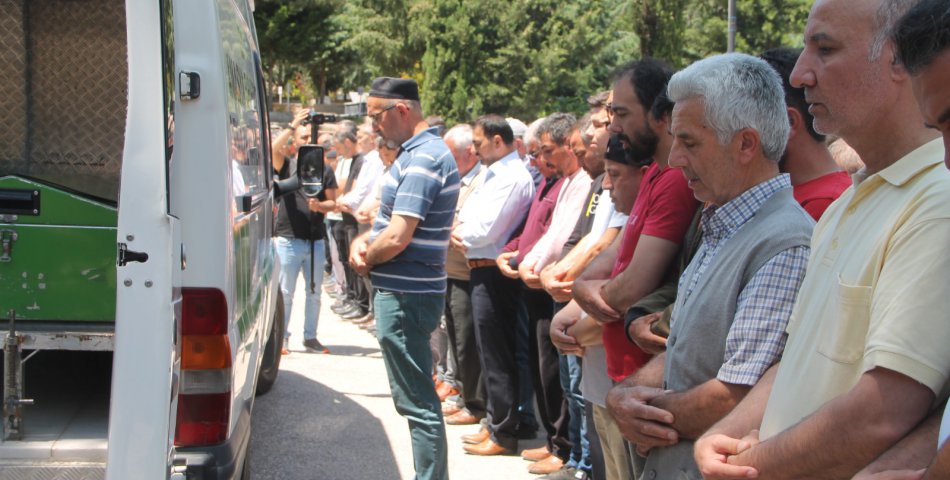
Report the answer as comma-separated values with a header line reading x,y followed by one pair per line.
x,y
404,255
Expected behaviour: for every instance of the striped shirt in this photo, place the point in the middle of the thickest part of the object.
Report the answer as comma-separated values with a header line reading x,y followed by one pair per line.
x,y
422,183
757,336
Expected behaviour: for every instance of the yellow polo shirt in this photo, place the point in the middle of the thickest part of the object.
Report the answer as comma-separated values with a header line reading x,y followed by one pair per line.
x,y
876,293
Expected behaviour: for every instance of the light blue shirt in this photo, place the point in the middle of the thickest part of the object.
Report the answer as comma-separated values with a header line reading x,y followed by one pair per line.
x,y
496,208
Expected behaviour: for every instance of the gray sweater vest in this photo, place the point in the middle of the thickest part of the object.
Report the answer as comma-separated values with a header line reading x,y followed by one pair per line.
x,y
697,343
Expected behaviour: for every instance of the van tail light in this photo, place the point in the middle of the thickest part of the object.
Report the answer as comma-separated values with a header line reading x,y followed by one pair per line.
x,y
204,399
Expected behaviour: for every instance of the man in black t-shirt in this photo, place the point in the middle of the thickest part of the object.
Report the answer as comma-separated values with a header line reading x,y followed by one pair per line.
x,y
300,233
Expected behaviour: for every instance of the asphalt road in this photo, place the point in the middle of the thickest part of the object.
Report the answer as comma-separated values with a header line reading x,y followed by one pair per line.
x,y
331,417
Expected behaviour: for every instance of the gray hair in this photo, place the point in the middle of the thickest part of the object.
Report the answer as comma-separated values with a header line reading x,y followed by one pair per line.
x,y
738,91
532,132
888,13
559,126
461,136
582,125
345,130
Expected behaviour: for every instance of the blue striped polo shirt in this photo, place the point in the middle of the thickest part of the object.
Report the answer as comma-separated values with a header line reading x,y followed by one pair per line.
x,y
423,183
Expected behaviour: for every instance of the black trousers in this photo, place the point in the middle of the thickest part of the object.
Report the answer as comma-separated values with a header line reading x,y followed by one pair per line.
x,y
495,300
461,332
343,234
545,373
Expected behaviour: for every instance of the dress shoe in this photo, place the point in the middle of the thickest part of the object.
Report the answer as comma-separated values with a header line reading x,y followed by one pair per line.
x,y
445,390
486,448
476,438
350,312
450,409
461,418
547,466
536,454
342,306
566,473
353,315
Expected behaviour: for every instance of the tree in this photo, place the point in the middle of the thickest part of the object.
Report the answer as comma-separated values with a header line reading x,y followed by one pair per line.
x,y
527,59
302,35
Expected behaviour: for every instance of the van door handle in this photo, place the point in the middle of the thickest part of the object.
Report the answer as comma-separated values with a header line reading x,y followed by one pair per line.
x,y
126,255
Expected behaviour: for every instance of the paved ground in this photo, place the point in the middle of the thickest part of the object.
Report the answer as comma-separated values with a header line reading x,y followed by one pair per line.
x,y
331,416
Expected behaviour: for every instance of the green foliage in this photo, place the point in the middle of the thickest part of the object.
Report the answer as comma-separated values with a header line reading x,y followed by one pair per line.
x,y
522,58
760,25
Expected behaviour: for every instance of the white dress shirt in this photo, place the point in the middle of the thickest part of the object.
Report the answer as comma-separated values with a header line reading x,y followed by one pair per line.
x,y
496,208
372,168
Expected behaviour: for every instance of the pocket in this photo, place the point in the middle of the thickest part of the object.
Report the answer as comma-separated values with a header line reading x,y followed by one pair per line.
x,y
845,340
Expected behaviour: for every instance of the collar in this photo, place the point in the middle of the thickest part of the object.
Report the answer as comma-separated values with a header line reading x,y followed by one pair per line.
x,y
503,162
420,138
924,157
470,176
721,222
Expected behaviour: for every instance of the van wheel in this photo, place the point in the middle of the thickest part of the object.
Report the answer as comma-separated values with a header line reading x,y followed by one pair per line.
x,y
270,364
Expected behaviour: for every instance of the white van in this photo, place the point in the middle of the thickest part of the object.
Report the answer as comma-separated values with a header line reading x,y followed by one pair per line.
x,y
138,280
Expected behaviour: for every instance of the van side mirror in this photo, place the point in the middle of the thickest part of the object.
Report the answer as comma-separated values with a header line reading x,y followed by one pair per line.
x,y
309,175
310,169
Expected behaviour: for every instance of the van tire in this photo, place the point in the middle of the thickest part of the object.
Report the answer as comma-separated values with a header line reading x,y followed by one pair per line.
x,y
270,364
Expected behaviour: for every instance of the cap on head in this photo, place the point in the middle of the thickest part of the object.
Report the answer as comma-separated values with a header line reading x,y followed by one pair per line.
x,y
395,88
518,128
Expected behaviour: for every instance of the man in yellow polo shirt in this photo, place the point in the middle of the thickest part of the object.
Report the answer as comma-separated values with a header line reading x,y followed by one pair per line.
x,y
866,356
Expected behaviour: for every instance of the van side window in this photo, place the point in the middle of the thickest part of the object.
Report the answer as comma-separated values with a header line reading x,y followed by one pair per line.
x,y
168,88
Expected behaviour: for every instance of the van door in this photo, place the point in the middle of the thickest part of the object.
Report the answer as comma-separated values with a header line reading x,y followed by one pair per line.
x,y
150,258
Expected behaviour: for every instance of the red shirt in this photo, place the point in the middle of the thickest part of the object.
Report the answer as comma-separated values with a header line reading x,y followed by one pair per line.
x,y
815,195
664,208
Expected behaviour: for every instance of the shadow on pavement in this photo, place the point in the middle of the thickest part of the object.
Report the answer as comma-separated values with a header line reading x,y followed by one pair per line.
x,y
354,351
304,430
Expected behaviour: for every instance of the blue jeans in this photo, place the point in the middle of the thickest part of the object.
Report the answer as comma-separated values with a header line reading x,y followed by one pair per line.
x,y
404,323
295,256
577,431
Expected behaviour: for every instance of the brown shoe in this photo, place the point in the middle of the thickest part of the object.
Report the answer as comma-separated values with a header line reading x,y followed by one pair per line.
x,y
536,454
450,409
445,391
364,319
461,418
488,447
476,438
547,466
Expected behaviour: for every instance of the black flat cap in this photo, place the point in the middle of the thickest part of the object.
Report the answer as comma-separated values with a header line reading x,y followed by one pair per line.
x,y
395,88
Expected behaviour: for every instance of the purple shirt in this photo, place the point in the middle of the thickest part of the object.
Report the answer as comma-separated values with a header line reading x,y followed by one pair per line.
x,y
539,219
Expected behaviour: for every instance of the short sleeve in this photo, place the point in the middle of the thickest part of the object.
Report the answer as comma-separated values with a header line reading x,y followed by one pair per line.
x,y
329,178
908,328
420,184
672,208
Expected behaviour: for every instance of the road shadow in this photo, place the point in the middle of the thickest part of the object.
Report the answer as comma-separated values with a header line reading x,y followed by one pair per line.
x,y
354,351
304,430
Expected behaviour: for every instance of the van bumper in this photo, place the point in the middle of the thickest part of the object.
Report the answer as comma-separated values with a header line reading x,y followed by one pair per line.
x,y
218,462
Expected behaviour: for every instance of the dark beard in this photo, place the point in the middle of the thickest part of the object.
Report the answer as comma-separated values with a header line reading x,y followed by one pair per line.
x,y
643,143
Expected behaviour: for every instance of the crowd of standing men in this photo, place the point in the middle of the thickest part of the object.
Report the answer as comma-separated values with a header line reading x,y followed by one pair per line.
x,y
648,281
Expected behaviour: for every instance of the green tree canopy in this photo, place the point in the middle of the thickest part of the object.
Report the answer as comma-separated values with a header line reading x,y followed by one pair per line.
x,y
521,58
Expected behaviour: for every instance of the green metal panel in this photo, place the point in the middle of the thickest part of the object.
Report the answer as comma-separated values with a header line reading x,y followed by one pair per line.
x,y
61,265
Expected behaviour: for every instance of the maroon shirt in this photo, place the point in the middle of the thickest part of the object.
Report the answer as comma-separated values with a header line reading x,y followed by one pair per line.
x,y
538,221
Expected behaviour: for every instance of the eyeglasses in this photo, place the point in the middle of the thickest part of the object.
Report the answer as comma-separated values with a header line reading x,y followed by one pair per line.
x,y
376,117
